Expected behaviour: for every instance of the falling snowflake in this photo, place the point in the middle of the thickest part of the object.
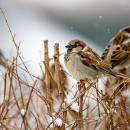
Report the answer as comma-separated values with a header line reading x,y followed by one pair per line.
x,y
22,112
108,30
71,27
100,17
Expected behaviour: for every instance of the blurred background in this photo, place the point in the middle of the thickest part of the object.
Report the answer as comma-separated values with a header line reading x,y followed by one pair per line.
x,y
32,21
59,21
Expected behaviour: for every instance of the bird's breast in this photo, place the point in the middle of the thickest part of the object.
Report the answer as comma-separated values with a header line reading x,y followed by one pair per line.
x,y
78,70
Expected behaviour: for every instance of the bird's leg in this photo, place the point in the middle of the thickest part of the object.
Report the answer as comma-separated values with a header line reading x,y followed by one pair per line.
x,y
81,84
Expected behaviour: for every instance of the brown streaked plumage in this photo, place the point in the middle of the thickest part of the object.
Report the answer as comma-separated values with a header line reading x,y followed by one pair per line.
x,y
94,61
117,53
83,63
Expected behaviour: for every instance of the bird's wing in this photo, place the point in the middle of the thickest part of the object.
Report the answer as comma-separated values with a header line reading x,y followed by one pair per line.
x,y
92,59
118,50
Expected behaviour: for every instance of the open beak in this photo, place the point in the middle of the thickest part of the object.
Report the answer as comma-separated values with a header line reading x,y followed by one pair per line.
x,y
68,46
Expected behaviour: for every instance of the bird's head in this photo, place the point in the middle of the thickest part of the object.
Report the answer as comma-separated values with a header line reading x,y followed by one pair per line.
x,y
75,46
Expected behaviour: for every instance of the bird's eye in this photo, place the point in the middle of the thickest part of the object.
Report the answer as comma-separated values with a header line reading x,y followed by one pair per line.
x,y
76,42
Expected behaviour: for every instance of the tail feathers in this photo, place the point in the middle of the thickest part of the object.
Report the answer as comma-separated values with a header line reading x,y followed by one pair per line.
x,y
116,74
121,75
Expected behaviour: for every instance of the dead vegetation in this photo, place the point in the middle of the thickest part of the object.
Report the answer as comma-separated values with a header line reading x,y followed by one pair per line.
x,y
49,103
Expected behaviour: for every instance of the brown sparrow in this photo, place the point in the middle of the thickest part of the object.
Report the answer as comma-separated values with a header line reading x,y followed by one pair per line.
x,y
83,63
117,53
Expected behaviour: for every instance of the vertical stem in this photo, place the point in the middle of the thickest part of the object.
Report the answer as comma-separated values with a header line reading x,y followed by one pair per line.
x,y
47,78
88,113
104,122
57,68
81,85
13,92
111,115
98,99
5,85
59,81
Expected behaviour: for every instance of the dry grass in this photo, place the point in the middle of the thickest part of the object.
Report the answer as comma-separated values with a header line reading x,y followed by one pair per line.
x,y
43,105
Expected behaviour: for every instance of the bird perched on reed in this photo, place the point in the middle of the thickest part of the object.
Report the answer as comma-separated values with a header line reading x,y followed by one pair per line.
x,y
83,63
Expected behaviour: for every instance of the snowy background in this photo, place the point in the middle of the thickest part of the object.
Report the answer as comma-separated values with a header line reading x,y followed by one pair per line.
x,y
33,21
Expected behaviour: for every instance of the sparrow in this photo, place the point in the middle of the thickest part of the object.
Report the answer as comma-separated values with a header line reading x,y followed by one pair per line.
x,y
83,63
117,53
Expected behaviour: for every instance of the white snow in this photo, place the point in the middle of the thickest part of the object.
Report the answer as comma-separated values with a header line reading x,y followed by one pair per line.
x,y
74,106
108,30
114,124
108,111
100,17
58,121
1,100
22,112
126,93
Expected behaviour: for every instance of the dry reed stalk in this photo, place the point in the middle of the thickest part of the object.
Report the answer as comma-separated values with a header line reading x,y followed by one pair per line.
x,y
5,81
73,113
13,91
102,103
15,99
47,78
57,69
38,90
59,81
17,49
83,92
88,111
51,77
81,87
9,97
3,106
9,70
23,105
104,122
97,98
58,73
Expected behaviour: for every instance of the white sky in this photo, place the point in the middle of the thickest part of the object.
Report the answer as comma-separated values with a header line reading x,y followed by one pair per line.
x,y
31,30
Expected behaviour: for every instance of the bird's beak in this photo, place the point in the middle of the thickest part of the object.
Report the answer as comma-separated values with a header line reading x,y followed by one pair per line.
x,y
68,46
